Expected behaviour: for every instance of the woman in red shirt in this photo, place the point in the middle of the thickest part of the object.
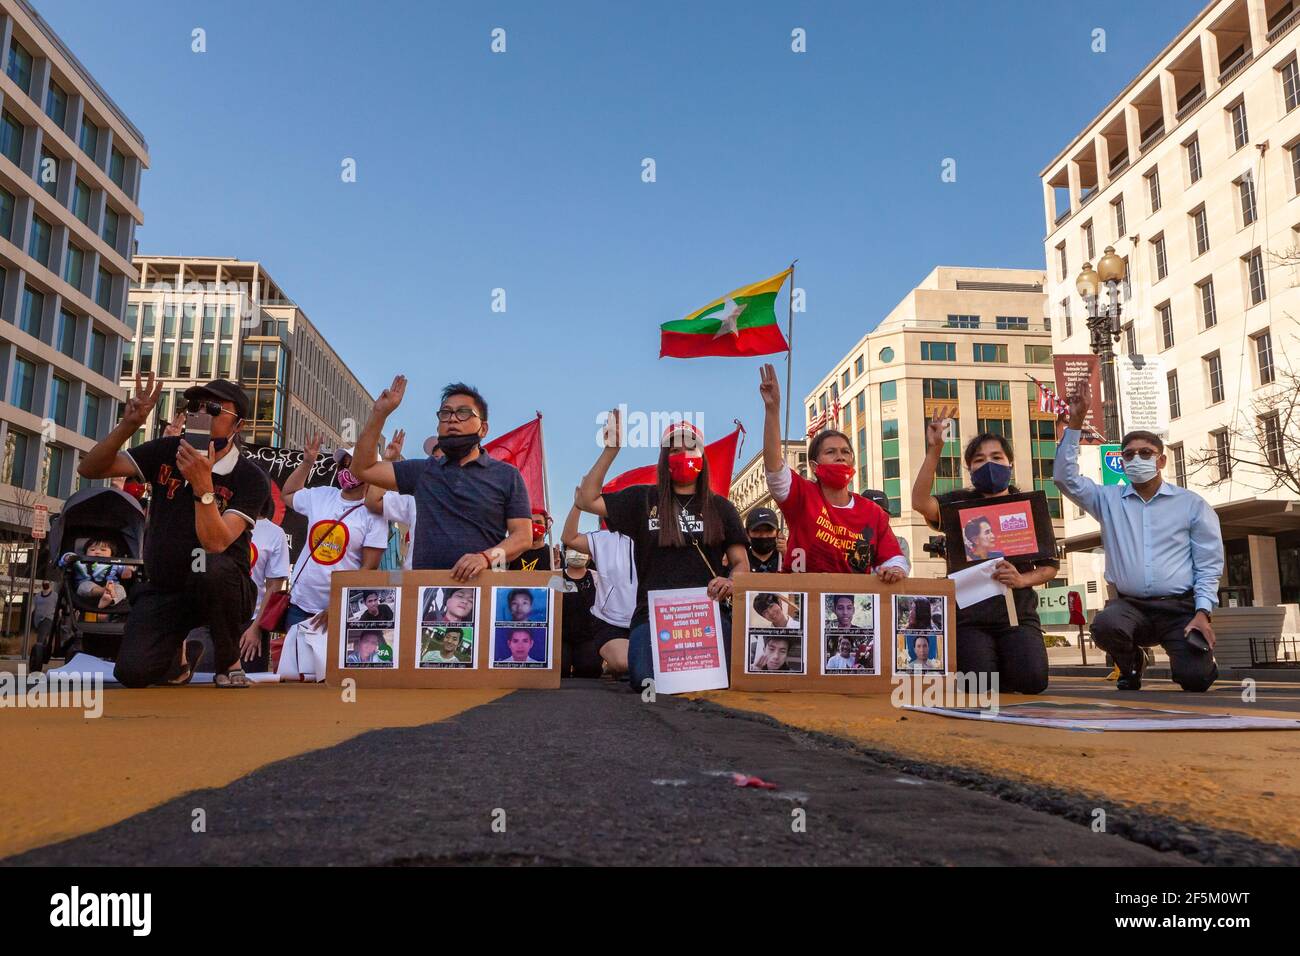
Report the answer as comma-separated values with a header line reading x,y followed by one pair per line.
x,y
831,528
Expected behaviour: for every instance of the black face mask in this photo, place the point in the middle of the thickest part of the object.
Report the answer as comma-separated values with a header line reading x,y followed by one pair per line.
x,y
762,546
456,447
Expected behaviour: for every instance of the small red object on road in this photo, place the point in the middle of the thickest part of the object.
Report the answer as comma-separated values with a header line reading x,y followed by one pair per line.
x,y
744,780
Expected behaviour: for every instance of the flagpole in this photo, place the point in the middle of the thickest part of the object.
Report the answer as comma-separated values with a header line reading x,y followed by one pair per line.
x,y
546,491
789,361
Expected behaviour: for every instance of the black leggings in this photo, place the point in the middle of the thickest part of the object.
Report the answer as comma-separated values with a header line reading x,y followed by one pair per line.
x,y
1016,654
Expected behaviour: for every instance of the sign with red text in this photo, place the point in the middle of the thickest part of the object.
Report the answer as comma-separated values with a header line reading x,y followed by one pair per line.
x,y
686,641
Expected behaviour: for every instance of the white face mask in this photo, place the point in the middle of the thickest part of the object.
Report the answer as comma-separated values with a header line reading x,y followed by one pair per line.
x,y
1140,470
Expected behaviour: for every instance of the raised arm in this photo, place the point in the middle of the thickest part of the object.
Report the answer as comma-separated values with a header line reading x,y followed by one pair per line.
x,y
392,453
770,391
365,459
923,502
589,497
298,480
106,460
570,536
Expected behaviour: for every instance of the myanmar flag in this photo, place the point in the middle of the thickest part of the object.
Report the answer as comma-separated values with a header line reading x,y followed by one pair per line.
x,y
742,322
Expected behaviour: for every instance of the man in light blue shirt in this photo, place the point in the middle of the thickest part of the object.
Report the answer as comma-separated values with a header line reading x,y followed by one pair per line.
x,y
1164,555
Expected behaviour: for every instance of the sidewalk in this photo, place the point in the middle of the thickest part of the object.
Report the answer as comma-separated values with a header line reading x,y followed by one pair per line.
x,y
1067,662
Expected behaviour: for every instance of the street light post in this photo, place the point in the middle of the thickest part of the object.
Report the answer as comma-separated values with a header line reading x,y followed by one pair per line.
x,y
1104,329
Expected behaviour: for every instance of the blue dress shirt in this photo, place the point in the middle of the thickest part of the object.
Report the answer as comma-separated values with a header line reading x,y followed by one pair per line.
x,y
1168,545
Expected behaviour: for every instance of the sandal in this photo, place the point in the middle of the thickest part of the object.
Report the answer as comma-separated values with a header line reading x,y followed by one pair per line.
x,y
232,678
191,655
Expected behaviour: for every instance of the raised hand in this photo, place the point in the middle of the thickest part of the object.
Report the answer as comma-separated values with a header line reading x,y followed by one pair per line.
x,y
613,437
769,388
312,451
139,405
175,427
1078,410
391,397
934,431
394,450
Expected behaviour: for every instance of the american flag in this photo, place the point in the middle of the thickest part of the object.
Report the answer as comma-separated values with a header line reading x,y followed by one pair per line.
x,y
1049,401
826,419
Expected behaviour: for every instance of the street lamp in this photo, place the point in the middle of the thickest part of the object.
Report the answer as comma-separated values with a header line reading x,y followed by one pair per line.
x,y
1103,328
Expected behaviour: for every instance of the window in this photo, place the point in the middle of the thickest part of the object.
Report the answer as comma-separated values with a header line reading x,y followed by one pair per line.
x,y
890,472
963,321
128,359
166,352
1193,160
1214,377
49,172
209,323
1180,465
33,305
1088,243
1166,314
858,365
1121,226
11,138
1295,168
1161,262
844,376
205,360
1222,453
947,476
6,213
888,392
1270,433
995,426
1201,231
24,386
1014,322
993,392
228,322
56,464
187,323
146,357
169,321
67,333
89,139
1175,403
1038,355
223,360
943,388
110,227
38,241
81,201
90,414
1209,318
938,351
148,324
98,351
1290,84
59,391
1240,133
1246,195
72,266
1264,358
185,361
56,104
989,352
1063,262
1255,277
17,447
1153,190
104,289
19,66
116,167
1065,313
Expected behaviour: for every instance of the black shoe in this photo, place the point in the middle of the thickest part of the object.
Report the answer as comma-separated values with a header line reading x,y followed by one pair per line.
x,y
1132,680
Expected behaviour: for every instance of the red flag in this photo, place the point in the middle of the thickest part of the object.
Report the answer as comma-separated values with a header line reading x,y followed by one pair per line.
x,y
523,449
722,459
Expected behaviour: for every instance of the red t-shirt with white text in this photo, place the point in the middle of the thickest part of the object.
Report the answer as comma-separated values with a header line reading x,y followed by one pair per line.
x,y
851,540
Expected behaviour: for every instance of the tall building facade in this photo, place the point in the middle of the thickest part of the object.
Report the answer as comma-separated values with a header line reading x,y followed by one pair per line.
x,y
749,487
199,318
70,169
965,341
1192,173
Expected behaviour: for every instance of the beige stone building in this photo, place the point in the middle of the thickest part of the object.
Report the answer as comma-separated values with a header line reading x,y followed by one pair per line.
x,y
1192,173
200,318
749,486
965,339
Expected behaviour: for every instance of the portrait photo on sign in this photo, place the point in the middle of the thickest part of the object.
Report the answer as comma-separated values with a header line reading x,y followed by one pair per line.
x,y
774,632
446,646
369,646
520,647
1008,526
521,605
448,605
371,605
919,632
850,623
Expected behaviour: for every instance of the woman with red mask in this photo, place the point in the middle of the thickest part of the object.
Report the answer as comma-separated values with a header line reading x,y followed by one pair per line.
x,y
832,530
680,529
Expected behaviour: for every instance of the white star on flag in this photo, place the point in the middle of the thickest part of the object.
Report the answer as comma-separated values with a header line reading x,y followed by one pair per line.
x,y
728,316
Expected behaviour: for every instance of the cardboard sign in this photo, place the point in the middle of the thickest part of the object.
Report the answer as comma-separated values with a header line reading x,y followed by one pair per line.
x,y
1004,526
1081,375
686,641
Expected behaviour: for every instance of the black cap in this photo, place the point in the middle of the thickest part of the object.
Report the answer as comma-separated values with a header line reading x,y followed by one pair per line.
x,y
762,516
222,391
879,497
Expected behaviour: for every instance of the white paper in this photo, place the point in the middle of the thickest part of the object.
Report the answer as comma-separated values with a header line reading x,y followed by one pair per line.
x,y
975,584
682,676
89,664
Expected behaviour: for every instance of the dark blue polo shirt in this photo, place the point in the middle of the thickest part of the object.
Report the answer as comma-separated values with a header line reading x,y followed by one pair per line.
x,y
460,510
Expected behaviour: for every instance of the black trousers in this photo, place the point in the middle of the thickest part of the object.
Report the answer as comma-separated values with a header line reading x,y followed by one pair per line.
x,y
1128,623
220,597
1016,654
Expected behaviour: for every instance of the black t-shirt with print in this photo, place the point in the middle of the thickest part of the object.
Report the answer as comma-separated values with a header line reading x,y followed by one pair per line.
x,y
635,512
577,607
170,538
534,559
992,612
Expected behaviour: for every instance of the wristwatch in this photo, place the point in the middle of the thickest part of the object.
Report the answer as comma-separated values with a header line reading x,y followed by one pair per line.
x,y
206,498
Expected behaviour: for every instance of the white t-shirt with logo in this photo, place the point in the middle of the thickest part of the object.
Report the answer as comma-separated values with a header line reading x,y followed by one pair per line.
x,y
400,509
615,577
331,545
270,557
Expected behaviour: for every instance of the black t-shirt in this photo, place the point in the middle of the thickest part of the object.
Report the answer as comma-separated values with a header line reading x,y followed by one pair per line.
x,y
577,604
993,611
382,613
769,565
534,559
635,512
170,538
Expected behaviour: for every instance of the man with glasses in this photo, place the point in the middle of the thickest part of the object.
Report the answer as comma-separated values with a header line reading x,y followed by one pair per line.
x,y
472,511
203,505
1164,555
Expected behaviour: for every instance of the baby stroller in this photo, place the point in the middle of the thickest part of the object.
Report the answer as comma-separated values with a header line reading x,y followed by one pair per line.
x,y
79,624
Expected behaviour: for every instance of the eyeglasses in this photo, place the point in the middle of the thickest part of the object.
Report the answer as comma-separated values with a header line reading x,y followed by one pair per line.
x,y
212,408
1145,453
462,414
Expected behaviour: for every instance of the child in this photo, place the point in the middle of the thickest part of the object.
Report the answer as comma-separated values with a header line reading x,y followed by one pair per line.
x,y
97,580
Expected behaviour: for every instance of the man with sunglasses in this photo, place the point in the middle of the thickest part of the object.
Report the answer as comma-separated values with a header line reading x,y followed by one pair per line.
x,y
472,511
1164,556
202,509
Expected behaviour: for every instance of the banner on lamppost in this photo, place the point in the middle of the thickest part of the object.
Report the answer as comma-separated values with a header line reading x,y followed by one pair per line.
x,y
1078,375
1143,394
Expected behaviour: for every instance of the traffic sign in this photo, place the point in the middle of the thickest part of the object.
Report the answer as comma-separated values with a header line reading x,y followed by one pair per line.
x,y
1112,466
40,521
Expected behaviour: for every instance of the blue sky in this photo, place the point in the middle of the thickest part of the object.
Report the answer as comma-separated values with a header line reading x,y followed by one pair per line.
x,y
522,171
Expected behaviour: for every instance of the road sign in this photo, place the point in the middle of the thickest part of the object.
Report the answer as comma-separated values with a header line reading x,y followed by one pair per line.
x,y
40,521
1112,466
1054,603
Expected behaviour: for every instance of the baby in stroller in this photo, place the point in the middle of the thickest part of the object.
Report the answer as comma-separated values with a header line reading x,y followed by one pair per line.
x,y
96,580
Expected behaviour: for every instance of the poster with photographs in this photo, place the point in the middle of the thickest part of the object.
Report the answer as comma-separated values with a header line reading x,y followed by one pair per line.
x,y
775,632
918,633
447,627
521,628
850,626
1004,526
371,619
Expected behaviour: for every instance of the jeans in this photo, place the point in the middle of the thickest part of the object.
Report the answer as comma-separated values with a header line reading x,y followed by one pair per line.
x,y
640,657
1127,624
295,615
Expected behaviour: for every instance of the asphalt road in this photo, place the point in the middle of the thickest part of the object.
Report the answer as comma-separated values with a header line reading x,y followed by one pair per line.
x,y
590,774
